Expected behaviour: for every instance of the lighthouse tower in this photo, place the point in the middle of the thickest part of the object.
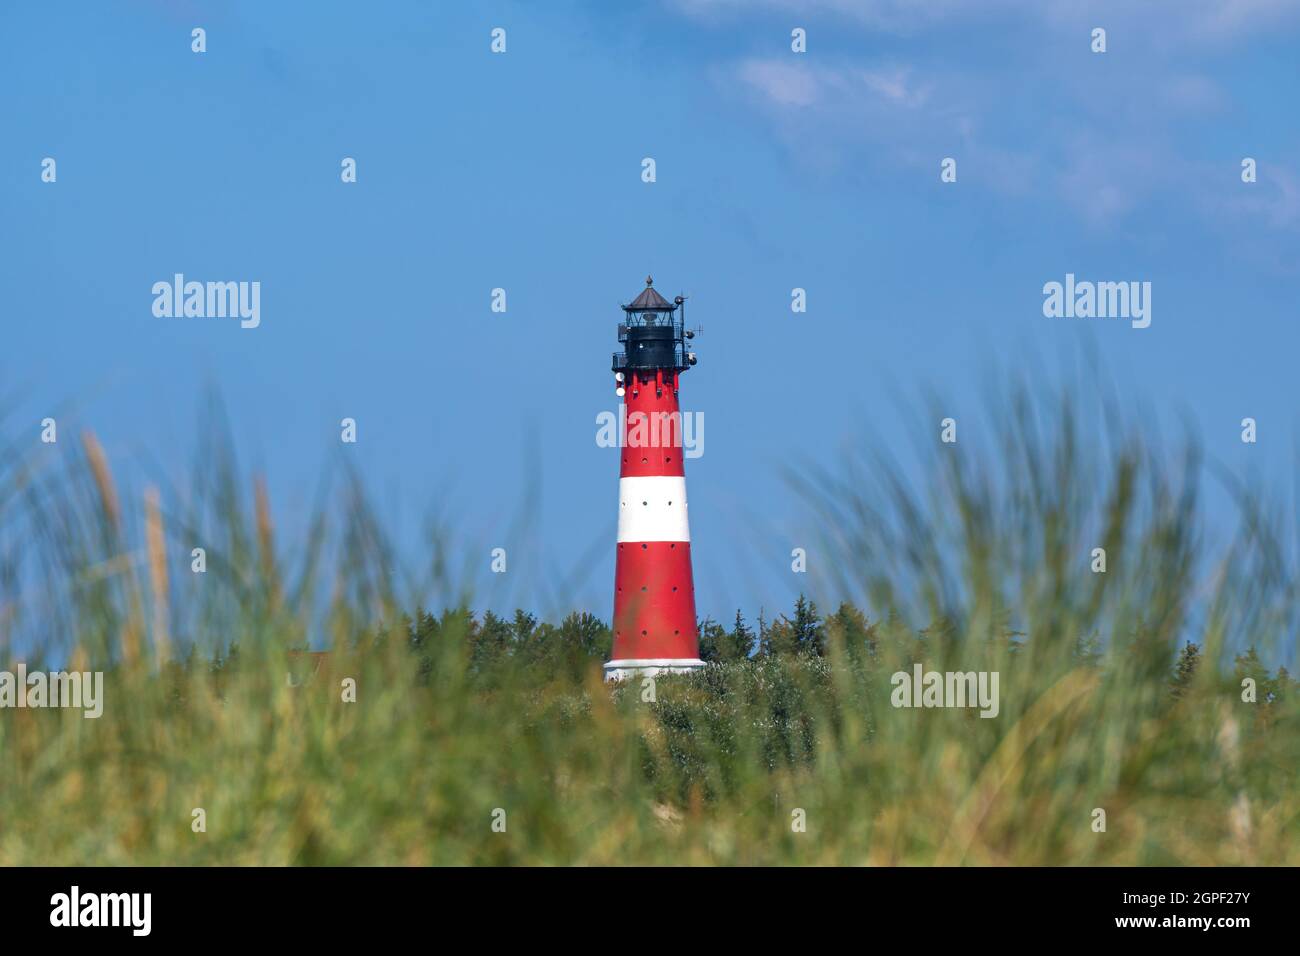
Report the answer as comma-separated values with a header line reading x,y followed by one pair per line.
x,y
654,593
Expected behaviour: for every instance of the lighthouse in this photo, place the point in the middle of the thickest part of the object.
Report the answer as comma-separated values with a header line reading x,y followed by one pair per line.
x,y
654,592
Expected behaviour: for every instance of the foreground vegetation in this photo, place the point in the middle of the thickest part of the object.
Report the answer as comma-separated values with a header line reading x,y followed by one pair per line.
x,y
452,738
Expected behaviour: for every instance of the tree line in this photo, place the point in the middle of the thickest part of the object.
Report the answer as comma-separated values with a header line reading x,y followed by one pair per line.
x,y
581,639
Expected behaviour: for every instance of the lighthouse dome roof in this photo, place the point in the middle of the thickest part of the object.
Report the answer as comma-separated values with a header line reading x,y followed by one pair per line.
x,y
649,300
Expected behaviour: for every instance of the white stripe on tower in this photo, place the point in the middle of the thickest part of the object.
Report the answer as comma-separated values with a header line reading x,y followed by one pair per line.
x,y
653,509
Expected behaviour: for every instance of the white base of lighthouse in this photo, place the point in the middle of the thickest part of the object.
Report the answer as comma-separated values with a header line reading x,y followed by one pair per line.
x,y
650,666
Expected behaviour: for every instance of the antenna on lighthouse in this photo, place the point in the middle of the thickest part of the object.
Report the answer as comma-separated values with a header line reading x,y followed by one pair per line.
x,y
690,333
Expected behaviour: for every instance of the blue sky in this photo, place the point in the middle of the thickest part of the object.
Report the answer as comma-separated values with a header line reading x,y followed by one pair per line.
x,y
775,170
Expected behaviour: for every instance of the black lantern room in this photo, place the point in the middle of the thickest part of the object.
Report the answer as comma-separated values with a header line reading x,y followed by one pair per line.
x,y
654,334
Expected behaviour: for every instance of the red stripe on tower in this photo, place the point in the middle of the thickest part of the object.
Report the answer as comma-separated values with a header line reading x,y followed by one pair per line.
x,y
654,591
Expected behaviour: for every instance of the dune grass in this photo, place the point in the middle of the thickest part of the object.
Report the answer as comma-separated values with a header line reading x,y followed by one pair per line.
x,y
458,750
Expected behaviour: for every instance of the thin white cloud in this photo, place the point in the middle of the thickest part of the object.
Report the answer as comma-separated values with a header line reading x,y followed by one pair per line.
x,y
786,82
892,15
895,86
1274,198
826,112
1105,141
780,82
1199,21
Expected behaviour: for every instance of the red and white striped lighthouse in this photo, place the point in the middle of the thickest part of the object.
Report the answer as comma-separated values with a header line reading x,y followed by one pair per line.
x,y
654,592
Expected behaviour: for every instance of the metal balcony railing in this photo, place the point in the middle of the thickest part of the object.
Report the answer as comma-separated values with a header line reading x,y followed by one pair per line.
x,y
620,362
